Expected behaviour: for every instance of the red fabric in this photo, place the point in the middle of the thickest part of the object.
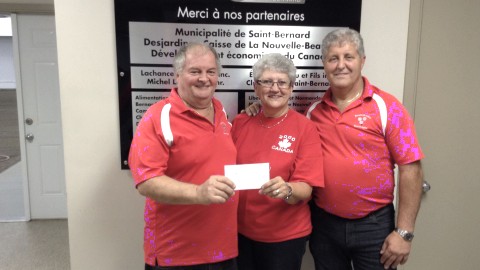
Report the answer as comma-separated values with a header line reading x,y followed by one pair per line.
x,y
185,234
272,220
359,158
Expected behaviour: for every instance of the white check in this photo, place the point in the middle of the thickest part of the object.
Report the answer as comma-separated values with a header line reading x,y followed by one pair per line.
x,y
248,176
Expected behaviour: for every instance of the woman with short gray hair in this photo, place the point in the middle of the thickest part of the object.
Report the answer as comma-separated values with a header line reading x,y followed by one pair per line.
x,y
274,221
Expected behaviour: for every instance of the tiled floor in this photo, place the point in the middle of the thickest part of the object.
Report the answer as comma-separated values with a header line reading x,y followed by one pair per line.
x,y
11,195
38,244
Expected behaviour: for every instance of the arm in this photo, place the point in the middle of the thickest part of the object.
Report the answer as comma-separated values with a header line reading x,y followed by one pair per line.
x,y
163,189
395,249
277,188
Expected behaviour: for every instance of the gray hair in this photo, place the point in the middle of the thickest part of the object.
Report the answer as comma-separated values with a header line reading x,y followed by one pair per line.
x,y
342,36
275,62
179,60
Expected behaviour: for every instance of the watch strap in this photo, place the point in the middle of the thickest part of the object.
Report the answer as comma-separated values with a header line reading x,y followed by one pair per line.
x,y
290,191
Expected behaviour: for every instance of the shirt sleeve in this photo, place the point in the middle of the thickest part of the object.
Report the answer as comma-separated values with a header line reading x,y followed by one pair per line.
x,y
308,165
148,156
401,136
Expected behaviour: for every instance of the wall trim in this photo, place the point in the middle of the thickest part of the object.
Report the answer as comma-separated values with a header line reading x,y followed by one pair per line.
x,y
413,55
27,8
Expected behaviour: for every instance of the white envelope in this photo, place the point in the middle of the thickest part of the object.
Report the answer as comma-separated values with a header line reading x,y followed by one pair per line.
x,y
248,176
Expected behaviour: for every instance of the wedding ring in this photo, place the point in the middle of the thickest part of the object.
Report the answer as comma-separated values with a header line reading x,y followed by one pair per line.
x,y
276,192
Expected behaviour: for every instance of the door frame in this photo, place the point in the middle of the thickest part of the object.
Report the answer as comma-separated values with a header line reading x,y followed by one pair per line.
x,y
412,62
412,58
21,117
29,175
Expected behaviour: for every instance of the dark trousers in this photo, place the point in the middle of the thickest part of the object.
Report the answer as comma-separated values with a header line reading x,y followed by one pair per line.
x,y
254,255
338,243
225,265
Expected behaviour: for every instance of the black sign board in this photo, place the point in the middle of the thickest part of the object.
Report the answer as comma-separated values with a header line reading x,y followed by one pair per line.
x,y
149,32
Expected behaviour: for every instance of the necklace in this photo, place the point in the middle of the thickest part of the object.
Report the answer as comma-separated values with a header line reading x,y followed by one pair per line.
x,y
205,112
350,100
274,125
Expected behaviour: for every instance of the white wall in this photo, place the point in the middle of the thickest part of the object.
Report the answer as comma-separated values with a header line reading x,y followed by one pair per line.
x,y
105,212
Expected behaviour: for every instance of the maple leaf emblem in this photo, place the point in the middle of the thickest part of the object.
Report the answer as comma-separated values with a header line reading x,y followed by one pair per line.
x,y
284,144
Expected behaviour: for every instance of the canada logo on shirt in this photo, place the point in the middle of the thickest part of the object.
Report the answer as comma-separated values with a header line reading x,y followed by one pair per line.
x,y
284,143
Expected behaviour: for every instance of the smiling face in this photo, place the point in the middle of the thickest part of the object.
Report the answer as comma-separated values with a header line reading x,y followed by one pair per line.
x,y
274,99
343,66
198,78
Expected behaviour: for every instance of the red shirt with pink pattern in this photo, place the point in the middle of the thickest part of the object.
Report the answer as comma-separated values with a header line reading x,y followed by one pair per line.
x,y
360,151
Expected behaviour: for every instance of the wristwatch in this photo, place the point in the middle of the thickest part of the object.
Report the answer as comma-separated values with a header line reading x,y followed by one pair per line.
x,y
408,236
290,191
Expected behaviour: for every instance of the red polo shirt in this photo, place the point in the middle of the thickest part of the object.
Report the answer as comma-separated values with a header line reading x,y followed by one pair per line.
x,y
189,148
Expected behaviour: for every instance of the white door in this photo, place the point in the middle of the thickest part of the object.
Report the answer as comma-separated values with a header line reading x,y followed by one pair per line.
x,y
447,117
43,129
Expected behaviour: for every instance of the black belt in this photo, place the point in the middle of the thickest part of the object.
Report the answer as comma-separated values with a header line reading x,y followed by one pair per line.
x,y
227,263
381,211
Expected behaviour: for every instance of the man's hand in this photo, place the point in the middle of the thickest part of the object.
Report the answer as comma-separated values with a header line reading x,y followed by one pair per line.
x,y
395,251
253,109
217,189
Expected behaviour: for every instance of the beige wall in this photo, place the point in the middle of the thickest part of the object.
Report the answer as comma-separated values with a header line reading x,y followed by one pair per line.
x,y
105,212
443,84
384,28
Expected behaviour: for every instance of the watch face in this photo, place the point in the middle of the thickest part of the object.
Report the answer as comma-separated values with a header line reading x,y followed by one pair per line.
x,y
405,234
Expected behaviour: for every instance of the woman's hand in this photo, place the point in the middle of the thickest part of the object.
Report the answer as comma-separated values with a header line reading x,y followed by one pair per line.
x,y
276,188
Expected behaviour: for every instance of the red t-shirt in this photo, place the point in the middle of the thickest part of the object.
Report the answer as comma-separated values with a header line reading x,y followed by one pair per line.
x,y
185,234
360,153
293,149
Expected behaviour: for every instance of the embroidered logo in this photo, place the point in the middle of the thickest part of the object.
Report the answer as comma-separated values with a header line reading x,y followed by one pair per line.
x,y
284,143
224,128
362,119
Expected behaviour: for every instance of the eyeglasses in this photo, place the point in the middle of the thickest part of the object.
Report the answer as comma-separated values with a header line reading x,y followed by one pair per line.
x,y
270,83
